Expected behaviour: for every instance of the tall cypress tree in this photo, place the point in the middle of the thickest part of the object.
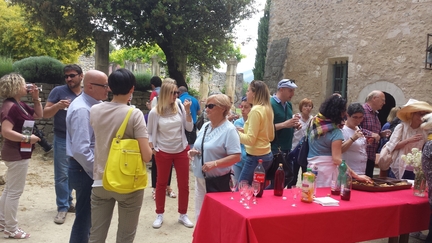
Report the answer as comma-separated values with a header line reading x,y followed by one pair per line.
x,y
261,50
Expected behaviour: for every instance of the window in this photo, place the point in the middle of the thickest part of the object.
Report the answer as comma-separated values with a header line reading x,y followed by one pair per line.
x,y
428,61
340,77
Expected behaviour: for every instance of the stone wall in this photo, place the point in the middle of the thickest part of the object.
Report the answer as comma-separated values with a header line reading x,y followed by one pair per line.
x,y
383,41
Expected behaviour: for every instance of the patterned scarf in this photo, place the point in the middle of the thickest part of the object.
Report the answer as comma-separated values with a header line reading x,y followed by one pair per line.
x,y
320,126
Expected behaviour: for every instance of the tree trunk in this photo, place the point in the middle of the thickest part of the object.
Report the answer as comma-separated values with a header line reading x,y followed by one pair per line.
x,y
173,65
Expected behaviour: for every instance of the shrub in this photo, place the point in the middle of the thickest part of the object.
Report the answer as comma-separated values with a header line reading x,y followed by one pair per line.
x,y
143,81
40,70
5,66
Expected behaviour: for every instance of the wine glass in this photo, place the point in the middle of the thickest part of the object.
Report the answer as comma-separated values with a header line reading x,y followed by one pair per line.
x,y
233,186
295,190
256,188
241,184
248,194
69,100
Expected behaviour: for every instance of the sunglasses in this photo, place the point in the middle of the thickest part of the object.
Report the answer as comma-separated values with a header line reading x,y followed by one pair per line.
x,y
70,76
175,92
210,106
105,86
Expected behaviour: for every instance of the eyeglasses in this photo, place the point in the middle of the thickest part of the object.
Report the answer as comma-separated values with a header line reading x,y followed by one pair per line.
x,y
210,106
175,92
70,76
357,117
105,86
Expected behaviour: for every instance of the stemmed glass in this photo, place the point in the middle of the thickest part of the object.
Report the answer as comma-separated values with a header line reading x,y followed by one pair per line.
x,y
248,194
233,186
295,190
241,184
256,186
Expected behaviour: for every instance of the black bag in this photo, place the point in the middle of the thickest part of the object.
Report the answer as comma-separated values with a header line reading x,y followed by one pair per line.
x,y
200,121
280,158
218,183
303,151
191,136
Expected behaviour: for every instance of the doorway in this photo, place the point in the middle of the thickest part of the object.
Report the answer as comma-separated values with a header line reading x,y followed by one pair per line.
x,y
390,102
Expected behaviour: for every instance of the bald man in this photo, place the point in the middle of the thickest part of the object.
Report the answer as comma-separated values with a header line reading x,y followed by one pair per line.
x,y
80,142
371,126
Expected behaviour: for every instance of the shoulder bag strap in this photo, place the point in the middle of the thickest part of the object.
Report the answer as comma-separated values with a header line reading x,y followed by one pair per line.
x,y
202,147
122,128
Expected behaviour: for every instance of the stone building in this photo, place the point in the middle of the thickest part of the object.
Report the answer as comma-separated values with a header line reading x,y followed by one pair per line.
x,y
351,47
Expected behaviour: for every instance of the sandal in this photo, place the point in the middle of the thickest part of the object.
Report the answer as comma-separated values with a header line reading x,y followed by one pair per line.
x,y
154,194
171,194
18,234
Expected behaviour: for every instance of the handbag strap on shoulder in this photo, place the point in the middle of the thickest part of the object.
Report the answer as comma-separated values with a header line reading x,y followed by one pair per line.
x,y
122,128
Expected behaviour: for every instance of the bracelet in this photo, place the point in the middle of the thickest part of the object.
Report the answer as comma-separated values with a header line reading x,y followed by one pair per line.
x,y
27,139
37,100
24,138
188,114
352,139
215,163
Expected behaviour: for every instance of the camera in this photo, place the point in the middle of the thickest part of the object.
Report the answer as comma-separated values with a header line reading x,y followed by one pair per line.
x,y
43,142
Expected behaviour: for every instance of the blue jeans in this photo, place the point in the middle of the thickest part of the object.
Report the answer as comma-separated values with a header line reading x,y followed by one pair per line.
x,y
82,183
61,180
251,163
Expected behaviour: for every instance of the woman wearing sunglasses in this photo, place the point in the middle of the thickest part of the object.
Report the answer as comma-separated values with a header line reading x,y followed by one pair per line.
x,y
220,142
258,130
166,127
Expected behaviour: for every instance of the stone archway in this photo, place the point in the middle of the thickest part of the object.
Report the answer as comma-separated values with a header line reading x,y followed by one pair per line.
x,y
393,94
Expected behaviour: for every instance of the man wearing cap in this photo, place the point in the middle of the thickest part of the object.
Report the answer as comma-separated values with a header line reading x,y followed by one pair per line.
x,y
284,121
371,127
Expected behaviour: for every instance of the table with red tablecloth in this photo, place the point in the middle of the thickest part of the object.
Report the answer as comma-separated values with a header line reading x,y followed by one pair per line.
x,y
367,216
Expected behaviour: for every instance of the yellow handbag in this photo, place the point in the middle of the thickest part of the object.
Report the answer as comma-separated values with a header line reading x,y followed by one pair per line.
x,y
124,170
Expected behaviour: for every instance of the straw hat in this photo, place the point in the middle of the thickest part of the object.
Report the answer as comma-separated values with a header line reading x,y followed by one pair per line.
x,y
405,113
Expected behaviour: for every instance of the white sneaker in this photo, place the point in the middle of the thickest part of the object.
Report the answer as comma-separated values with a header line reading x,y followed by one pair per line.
x,y
184,220
158,222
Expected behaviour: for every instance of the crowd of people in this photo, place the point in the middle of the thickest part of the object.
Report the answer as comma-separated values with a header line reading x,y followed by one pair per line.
x,y
226,146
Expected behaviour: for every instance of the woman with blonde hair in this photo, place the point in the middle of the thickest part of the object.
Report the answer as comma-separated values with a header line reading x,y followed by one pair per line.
x,y
166,128
258,130
220,142
17,137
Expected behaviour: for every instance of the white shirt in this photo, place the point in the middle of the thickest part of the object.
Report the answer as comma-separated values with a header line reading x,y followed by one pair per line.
x,y
356,156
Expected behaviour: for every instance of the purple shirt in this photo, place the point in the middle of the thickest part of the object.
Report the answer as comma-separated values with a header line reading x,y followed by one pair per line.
x,y
369,125
15,115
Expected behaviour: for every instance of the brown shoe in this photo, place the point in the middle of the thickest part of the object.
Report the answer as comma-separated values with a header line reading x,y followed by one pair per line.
x,y
71,208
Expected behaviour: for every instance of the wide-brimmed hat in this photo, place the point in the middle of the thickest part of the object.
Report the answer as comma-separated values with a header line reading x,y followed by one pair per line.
x,y
405,113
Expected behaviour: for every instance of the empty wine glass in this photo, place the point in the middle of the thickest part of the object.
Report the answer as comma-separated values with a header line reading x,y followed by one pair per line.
x,y
241,184
295,190
233,186
248,194
256,188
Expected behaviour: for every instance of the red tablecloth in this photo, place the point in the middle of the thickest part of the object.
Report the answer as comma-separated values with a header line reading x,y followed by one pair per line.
x,y
368,215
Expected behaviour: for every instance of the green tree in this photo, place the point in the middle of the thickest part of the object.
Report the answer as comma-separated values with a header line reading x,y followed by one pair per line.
x,y
261,50
143,53
183,29
20,38
196,32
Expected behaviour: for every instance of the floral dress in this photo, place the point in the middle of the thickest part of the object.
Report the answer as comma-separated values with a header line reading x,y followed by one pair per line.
x,y
427,167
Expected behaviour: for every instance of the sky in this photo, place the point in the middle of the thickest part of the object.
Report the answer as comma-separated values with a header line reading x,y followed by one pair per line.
x,y
247,34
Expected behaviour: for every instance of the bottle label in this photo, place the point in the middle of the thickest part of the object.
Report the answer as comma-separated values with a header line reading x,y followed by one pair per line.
x,y
259,177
